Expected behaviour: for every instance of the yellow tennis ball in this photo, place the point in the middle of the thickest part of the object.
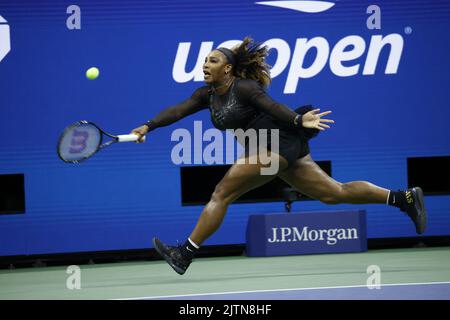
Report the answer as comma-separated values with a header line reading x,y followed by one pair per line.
x,y
92,73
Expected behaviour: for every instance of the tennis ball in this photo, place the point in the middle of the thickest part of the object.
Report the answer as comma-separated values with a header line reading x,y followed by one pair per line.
x,y
92,73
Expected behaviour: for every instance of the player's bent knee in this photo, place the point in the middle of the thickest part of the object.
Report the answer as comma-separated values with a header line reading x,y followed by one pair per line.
x,y
221,195
336,197
330,200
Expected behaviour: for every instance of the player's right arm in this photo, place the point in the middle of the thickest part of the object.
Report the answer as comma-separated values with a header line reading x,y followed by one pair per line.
x,y
198,101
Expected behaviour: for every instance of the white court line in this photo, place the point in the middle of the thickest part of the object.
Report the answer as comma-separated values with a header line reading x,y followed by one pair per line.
x,y
272,290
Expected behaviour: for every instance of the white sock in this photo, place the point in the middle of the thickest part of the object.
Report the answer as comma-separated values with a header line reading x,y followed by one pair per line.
x,y
192,242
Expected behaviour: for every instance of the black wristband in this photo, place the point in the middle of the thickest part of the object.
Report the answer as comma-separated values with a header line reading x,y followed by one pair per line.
x,y
150,125
298,121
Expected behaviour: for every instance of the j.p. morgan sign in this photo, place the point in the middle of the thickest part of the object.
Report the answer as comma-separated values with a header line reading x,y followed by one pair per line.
x,y
306,233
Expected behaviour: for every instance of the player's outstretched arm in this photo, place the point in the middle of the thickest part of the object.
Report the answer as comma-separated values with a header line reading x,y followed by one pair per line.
x,y
198,101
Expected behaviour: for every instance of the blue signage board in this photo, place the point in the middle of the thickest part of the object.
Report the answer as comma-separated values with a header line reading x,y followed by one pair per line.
x,y
380,67
306,233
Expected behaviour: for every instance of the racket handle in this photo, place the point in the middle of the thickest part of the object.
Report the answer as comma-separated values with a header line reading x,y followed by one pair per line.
x,y
128,138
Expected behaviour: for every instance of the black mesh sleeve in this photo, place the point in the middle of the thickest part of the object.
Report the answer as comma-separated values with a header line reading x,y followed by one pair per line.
x,y
198,101
252,93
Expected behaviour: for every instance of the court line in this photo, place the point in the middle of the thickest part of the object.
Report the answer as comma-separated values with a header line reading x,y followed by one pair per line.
x,y
281,290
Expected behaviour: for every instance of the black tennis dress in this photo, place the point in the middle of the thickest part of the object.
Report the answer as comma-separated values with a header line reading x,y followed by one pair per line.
x,y
246,105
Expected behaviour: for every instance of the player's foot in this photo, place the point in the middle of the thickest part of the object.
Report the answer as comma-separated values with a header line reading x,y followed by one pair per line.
x,y
415,208
173,256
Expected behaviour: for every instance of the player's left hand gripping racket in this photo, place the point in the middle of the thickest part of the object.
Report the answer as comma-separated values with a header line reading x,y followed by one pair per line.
x,y
83,139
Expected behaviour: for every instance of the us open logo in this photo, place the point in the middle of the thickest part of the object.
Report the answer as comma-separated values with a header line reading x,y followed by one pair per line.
x,y
5,43
352,55
302,6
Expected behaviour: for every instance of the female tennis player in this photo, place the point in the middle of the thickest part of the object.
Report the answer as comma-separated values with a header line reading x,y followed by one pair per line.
x,y
234,93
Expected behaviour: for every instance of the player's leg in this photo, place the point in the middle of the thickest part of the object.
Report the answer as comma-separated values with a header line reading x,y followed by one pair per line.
x,y
308,178
242,177
239,179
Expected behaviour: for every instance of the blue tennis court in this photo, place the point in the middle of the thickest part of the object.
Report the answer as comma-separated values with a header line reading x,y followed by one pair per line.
x,y
413,273
404,291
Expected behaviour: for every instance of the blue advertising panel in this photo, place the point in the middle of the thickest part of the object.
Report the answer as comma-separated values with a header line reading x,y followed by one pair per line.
x,y
306,233
381,67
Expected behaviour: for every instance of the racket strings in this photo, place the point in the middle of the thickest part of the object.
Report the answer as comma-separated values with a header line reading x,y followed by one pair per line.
x,y
79,142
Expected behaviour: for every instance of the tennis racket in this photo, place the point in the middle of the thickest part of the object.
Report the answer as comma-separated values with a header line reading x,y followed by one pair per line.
x,y
83,139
